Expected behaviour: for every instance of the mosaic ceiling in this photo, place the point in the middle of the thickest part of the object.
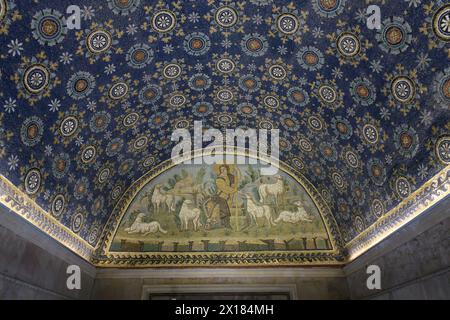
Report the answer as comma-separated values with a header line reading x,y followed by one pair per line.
x,y
363,113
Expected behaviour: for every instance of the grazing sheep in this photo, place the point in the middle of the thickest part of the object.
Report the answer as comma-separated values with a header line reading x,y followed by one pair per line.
x,y
144,227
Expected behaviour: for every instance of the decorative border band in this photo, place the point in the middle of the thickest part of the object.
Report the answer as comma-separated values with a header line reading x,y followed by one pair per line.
x,y
105,258
18,202
215,259
431,192
434,190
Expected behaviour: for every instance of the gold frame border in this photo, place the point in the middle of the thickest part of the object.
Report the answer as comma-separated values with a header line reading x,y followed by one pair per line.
x,y
105,258
430,193
20,203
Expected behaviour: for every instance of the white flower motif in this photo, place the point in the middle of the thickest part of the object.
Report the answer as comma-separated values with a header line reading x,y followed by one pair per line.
x,y
36,79
423,61
385,113
99,41
337,73
10,105
168,48
349,45
361,15
402,89
198,67
426,117
87,12
257,19
317,32
15,47
47,195
194,17
376,66
422,171
65,58
54,105
226,43
79,141
131,29
163,22
110,69
48,151
92,105
13,162
282,50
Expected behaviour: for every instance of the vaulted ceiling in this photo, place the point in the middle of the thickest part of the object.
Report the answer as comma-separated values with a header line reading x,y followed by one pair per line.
x,y
363,113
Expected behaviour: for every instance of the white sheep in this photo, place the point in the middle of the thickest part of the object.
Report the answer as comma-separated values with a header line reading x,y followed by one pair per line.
x,y
189,213
259,211
144,227
294,216
275,190
158,198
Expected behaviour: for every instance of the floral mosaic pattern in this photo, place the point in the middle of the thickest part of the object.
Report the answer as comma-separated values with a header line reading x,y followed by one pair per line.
x,y
363,114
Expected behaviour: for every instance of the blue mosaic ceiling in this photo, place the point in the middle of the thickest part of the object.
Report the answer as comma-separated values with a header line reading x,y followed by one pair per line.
x,y
364,114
